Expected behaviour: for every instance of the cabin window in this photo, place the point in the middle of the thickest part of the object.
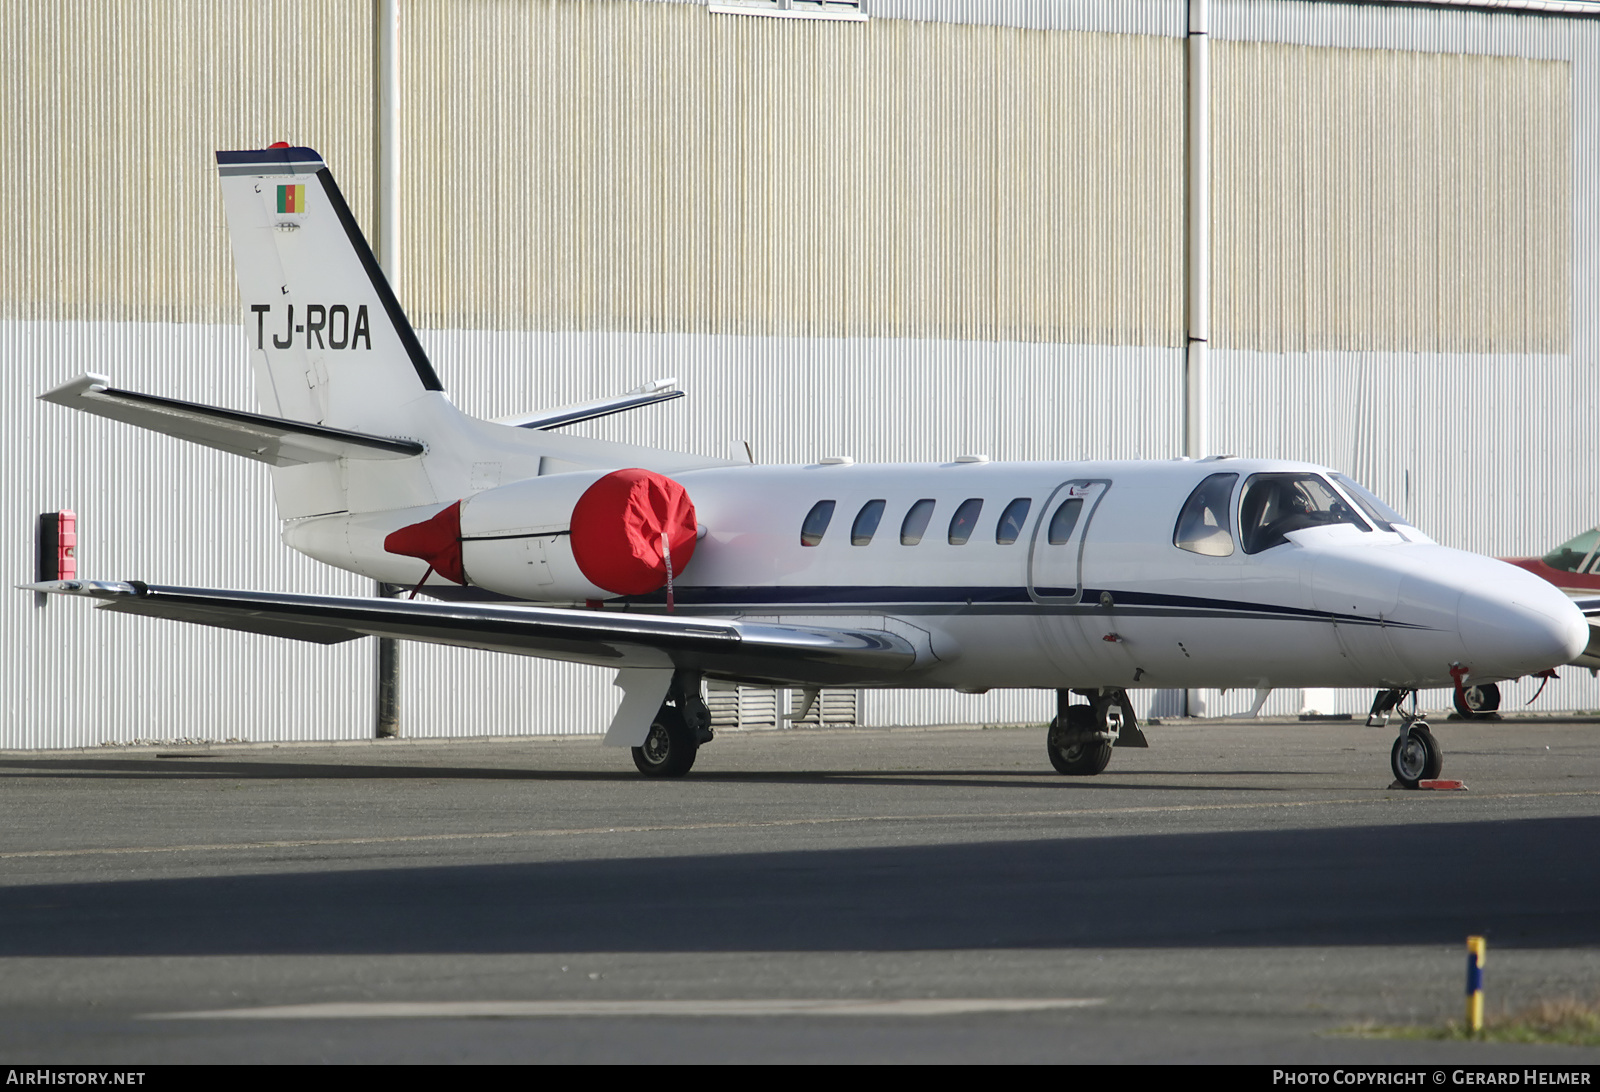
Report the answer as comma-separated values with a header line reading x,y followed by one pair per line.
x,y
866,524
1065,520
816,524
916,522
963,522
1276,505
1204,526
1009,528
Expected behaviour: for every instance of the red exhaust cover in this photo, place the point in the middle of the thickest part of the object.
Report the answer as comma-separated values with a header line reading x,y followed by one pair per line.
x,y
436,541
617,526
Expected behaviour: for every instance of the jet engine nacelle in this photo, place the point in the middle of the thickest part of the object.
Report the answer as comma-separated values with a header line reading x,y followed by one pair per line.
x,y
562,537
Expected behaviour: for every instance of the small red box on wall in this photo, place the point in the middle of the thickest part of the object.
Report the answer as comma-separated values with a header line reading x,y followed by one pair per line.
x,y
58,545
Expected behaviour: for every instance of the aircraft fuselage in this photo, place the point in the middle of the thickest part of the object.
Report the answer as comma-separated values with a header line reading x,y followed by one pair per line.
x,y
977,583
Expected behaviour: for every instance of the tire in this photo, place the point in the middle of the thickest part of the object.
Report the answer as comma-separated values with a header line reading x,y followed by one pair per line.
x,y
1477,701
1416,757
670,748
1084,759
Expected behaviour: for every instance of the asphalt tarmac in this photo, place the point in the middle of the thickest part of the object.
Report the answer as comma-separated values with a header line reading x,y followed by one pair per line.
x,y
1239,892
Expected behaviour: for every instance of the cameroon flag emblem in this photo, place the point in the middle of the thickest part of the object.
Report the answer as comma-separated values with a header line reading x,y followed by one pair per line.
x,y
291,199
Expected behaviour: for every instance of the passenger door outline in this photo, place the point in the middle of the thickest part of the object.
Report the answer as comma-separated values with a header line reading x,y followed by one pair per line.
x,y
1061,565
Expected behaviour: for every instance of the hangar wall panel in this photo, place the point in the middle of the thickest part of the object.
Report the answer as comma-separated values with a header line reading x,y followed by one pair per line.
x,y
1106,16
108,121
765,176
1378,199
153,508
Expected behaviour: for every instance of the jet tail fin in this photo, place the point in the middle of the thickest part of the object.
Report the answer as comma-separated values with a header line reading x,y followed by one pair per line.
x,y
328,339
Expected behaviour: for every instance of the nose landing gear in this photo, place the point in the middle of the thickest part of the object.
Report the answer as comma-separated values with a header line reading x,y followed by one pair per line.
x,y
1415,756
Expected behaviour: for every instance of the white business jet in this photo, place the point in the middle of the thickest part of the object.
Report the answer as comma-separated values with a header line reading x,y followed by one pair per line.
x,y
1083,578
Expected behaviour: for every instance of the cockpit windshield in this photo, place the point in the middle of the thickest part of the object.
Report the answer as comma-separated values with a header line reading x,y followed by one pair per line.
x,y
1274,505
1577,555
1382,516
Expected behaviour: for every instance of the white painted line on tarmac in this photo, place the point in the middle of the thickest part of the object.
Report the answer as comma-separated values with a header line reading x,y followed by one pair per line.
x,y
432,1010
1382,798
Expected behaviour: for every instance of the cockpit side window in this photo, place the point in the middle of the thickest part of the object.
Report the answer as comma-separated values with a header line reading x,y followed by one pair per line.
x,y
816,524
1274,505
1204,526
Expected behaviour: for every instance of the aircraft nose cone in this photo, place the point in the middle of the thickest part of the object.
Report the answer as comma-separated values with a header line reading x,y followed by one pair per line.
x,y
1518,625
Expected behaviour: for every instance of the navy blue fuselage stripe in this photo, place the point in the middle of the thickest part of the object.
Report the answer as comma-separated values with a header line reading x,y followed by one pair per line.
x,y
890,599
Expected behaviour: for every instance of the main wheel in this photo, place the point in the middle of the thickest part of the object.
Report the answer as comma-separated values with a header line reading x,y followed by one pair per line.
x,y
1476,701
670,747
1416,757
1084,758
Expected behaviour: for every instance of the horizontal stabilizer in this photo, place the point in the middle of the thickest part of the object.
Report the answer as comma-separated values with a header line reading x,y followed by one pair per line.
x,y
271,440
589,411
726,648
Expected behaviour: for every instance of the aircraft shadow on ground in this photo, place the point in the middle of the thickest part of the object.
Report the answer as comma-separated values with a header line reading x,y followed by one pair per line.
x,y
1524,883
201,768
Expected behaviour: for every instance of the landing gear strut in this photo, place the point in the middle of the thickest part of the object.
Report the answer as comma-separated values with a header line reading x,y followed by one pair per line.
x,y
1081,736
1415,755
681,725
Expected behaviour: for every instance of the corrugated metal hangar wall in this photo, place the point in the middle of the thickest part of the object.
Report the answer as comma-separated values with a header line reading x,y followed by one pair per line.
x,y
954,226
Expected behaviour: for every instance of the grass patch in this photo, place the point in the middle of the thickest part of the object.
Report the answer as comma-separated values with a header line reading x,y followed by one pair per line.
x,y
1566,1022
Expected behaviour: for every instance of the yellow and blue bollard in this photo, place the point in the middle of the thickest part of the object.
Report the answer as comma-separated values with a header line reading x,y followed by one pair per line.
x,y
1475,985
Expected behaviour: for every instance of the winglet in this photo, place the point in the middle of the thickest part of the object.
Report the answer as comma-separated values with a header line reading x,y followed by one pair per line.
x,y
72,389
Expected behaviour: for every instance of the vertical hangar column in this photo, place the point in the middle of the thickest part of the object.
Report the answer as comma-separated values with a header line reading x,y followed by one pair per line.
x,y
1197,227
1197,244
386,176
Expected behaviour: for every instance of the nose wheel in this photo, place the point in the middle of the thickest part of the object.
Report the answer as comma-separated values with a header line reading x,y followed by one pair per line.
x,y
1415,756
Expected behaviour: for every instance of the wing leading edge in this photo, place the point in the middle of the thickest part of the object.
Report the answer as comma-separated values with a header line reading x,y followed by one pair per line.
x,y
723,648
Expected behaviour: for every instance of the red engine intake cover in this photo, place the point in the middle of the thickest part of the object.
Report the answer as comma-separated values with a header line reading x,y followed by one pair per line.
x,y
617,526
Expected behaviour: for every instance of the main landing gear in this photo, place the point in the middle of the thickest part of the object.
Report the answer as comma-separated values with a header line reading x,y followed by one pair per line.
x,y
1081,736
680,726
1477,701
1415,756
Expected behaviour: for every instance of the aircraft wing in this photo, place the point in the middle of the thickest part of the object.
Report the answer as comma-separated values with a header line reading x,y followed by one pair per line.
x,y
722,648
272,440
